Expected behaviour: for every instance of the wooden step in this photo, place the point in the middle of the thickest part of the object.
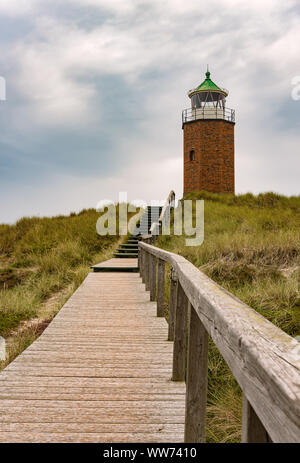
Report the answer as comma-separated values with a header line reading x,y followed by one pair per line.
x,y
135,249
125,255
117,265
116,269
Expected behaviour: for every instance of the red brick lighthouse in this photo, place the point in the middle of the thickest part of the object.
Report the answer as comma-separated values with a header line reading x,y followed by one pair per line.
x,y
208,131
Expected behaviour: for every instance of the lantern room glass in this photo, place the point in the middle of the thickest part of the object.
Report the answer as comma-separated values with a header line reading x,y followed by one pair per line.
x,y
211,99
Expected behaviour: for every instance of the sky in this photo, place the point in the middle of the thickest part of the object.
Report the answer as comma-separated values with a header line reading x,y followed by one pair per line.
x,y
95,91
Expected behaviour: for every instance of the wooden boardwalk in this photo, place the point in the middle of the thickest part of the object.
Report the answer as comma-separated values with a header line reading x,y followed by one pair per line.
x,y
101,372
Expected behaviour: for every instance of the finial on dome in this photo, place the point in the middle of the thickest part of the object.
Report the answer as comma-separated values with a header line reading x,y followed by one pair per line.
x,y
207,73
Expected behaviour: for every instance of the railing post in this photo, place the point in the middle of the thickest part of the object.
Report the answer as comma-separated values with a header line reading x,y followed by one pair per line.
x,y
160,287
140,261
172,304
179,350
147,268
142,268
152,278
253,430
196,380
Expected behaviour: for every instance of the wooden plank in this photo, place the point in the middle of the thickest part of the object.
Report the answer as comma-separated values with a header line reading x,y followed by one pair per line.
x,y
102,385
26,405
88,358
101,428
94,335
196,381
100,372
63,437
114,394
117,346
118,262
93,372
39,389
105,362
152,383
90,415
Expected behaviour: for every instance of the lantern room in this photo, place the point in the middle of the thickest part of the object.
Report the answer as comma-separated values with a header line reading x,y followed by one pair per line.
x,y
208,101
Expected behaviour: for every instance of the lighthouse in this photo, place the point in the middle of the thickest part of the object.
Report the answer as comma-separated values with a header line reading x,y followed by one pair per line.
x,y
208,133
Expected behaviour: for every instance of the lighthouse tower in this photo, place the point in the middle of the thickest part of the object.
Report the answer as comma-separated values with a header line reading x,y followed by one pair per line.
x,y
208,131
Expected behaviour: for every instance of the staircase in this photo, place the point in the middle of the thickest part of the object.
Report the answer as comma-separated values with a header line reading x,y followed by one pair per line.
x,y
151,215
129,249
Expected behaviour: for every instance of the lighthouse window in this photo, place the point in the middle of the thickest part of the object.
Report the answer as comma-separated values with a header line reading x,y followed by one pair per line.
x,y
192,155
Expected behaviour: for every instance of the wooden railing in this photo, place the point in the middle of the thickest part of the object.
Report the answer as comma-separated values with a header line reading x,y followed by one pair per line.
x,y
264,360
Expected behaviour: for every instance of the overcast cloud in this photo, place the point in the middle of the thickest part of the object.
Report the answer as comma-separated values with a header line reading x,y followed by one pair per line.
x,y
95,90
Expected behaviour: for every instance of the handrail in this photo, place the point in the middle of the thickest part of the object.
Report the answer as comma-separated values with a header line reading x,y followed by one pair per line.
x,y
264,360
156,226
169,202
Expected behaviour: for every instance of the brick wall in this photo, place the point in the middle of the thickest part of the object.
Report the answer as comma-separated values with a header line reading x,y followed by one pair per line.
x,y
213,166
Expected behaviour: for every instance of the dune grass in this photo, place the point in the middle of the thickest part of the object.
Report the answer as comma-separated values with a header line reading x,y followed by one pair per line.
x,y
251,248
42,262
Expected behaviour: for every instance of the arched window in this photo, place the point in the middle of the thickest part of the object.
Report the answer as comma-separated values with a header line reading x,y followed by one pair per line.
x,y
192,155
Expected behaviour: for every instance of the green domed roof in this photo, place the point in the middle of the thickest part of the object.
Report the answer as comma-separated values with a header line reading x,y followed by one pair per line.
x,y
208,86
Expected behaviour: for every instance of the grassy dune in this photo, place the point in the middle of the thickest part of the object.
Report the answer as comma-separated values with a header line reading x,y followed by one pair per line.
x,y
251,248
42,262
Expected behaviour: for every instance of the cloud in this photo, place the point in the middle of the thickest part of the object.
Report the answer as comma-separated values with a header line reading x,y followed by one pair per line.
x,y
64,193
60,60
96,88
17,7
